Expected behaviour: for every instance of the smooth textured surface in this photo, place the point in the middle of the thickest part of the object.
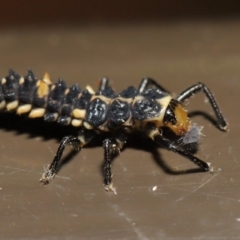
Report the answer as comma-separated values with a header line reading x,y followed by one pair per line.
x,y
156,198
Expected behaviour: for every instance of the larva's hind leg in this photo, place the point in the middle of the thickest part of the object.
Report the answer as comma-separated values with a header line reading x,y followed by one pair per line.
x,y
50,172
84,137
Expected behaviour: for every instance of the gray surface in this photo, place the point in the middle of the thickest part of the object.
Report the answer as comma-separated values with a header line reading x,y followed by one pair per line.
x,y
75,205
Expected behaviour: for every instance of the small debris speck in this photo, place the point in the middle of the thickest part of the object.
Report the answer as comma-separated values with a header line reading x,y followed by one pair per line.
x,y
154,188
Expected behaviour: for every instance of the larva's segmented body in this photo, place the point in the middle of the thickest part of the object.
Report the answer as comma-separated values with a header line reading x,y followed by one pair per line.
x,y
103,110
150,109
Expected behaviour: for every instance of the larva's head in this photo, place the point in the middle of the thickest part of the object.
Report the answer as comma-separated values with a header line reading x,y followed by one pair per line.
x,y
176,118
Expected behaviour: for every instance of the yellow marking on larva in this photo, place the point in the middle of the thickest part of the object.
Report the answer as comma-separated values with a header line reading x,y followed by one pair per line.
x,y
87,125
137,98
79,95
164,101
128,122
2,105
37,112
90,89
128,100
46,78
43,88
12,105
183,122
24,109
21,80
79,113
153,133
66,91
53,87
103,127
82,140
3,81
76,122
103,98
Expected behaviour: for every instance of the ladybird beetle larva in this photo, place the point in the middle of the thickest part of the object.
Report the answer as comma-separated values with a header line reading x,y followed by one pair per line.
x,y
149,108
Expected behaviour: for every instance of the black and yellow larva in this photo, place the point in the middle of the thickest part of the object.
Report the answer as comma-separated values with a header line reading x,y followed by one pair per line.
x,y
149,109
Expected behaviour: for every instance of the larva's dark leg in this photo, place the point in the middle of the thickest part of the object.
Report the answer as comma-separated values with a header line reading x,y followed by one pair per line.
x,y
111,147
50,172
171,146
78,142
107,147
148,82
222,124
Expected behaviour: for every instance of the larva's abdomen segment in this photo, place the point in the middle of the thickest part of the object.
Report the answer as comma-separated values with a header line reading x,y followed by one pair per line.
x,y
9,91
55,96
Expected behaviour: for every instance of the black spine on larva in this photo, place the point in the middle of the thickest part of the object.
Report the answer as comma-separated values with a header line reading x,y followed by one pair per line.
x,y
70,99
56,96
83,101
10,87
68,103
27,88
54,102
130,92
107,92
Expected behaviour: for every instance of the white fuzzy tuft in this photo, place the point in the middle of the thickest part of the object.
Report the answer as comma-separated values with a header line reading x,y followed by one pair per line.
x,y
193,135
